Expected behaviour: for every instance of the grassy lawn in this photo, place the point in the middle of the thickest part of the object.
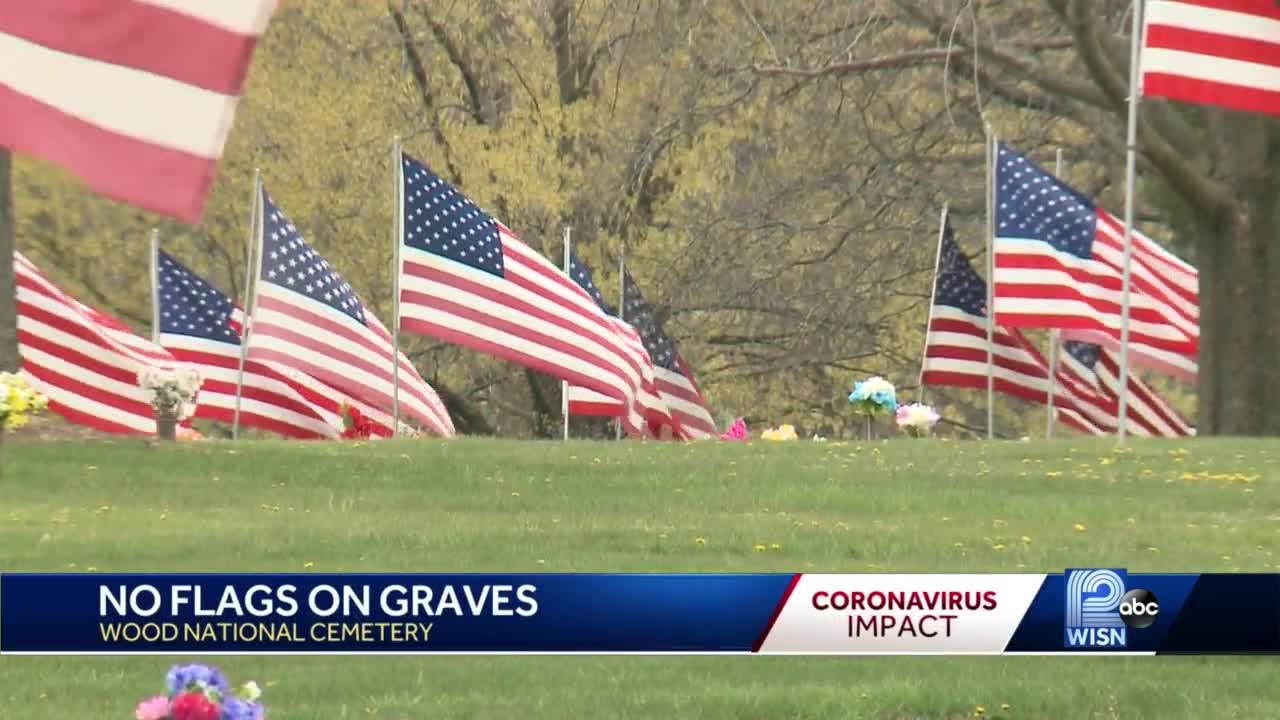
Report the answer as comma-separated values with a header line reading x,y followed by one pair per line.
x,y
477,505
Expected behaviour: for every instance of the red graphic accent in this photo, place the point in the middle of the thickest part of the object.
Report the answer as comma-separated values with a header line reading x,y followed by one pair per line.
x,y
777,610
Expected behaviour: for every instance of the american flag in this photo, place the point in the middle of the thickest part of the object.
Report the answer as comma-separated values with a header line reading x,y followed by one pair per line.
x,y
1058,264
670,414
1215,52
1148,413
676,385
466,279
85,361
306,317
201,326
955,353
135,97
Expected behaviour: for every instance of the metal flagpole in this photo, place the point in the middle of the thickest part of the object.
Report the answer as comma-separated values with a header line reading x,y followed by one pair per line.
x,y
1131,163
933,294
991,285
252,253
1053,340
622,315
397,239
155,285
564,384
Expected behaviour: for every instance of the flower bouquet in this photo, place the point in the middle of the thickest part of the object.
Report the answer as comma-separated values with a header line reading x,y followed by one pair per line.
x,y
737,432
872,397
781,433
917,419
18,400
199,692
355,426
173,396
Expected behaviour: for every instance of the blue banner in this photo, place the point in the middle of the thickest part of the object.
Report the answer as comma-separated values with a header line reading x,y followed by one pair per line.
x,y
185,614
1088,611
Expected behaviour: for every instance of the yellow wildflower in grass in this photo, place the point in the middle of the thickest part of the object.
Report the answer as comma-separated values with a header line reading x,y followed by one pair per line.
x,y
1080,527
1006,707
700,540
998,547
18,400
759,548
1026,540
775,547
979,711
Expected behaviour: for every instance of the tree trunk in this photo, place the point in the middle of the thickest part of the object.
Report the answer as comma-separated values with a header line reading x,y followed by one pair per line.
x,y
9,359
1239,258
1239,390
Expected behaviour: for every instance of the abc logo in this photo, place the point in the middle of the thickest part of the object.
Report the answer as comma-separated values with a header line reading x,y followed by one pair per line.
x,y
1139,608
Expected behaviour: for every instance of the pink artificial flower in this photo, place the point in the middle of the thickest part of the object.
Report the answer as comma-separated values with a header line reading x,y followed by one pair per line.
x,y
157,708
737,432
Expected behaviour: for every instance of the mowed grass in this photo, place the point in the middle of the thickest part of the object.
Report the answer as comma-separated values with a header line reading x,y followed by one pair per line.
x,y
480,505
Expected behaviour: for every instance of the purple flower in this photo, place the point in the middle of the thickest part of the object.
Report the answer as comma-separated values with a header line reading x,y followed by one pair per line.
x,y
233,708
199,677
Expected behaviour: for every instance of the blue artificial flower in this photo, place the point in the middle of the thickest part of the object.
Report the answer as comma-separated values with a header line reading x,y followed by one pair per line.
x,y
234,708
874,395
198,677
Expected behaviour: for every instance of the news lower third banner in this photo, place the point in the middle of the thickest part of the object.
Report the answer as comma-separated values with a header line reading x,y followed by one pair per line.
x,y
1096,611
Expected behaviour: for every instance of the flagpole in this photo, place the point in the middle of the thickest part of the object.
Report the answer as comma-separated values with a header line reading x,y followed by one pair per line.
x,y
397,239
155,286
1130,173
991,285
251,246
933,294
564,384
1053,339
622,315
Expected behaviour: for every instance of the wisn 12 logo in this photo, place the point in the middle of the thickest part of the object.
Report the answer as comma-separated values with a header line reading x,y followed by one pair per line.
x,y
1101,609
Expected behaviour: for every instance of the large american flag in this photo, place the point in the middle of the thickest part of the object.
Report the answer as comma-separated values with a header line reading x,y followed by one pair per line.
x,y
466,279
306,317
1216,52
135,97
955,352
201,326
1058,264
85,361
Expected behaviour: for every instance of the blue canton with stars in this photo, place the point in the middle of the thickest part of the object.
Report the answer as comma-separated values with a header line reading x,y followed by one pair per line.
x,y
581,274
957,285
1031,204
1085,353
442,221
289,262
639,313
191,306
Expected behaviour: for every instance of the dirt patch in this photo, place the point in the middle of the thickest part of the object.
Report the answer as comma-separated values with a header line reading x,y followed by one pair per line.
x,y
49,427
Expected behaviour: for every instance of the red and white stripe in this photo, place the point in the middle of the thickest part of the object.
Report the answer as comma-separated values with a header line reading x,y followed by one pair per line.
x,y
1037,285
535,316
1214,52
1157,274
1149,414
665,391
83,360
136,97
321,399
690,418
956,356
294,331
